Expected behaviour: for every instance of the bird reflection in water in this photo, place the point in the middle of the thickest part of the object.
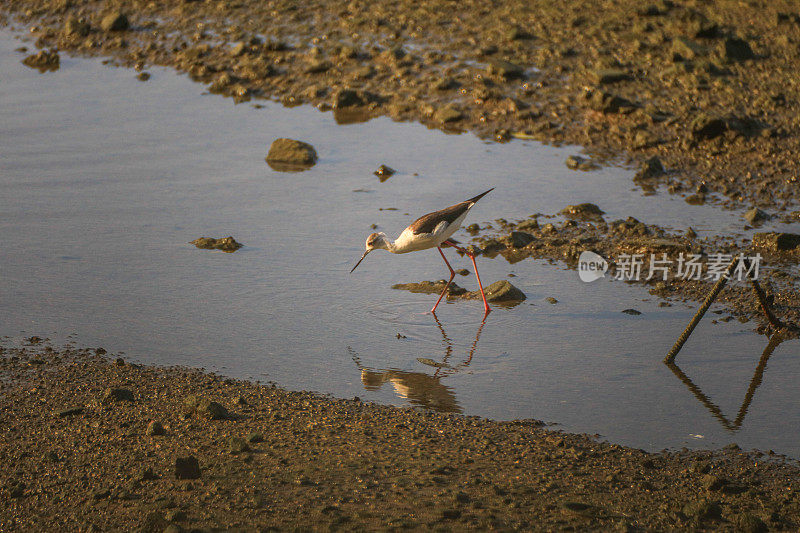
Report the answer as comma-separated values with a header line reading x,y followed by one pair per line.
x,y
735,424
420,388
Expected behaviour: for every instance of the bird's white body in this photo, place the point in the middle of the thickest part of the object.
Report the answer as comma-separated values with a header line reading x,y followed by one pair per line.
x,y
430,231
409,242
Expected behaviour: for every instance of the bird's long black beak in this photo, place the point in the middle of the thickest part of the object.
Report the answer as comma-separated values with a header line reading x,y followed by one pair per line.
x,y
362,258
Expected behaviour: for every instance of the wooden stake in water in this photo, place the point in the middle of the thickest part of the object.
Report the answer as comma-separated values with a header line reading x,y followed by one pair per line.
x,y
715,290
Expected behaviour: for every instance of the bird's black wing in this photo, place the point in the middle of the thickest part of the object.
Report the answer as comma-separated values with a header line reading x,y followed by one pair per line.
x,y
427,223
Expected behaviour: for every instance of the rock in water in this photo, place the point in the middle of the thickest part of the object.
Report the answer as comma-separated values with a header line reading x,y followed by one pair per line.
x,y
226,244
384,172
520,239
584,211
755,215
44,61
291,155
503,291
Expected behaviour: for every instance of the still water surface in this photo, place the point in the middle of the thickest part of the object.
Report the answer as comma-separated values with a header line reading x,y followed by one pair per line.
x,y
105,180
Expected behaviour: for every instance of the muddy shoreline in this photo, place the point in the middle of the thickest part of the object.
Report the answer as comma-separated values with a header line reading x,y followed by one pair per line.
x,y
708,88
91,444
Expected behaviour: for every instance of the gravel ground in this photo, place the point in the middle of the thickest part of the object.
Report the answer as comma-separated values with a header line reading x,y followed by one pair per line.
x,y
92,443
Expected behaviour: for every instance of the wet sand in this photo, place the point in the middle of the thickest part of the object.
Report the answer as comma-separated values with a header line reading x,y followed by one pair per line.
x,y
91,444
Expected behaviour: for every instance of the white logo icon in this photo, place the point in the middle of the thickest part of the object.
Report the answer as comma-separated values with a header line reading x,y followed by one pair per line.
x,y
591,266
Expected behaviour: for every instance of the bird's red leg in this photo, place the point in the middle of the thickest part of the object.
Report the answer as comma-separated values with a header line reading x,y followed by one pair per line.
x,y
471,256
452,275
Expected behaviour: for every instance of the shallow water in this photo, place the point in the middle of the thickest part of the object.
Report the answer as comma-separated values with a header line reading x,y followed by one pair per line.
x,y
105,180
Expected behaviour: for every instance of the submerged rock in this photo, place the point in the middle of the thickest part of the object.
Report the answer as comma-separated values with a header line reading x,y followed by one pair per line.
x,y
583,211
503,292
755,215
576,162
44,61
289,154
431,287
384,172
520,239
226,244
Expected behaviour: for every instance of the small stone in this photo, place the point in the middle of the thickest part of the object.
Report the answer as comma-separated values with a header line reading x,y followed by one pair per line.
x,y
117,395
76,28
505,69
576,162
702,510
291,152
44,61
50,456
652,168
72,411
755,216
704,126
503,291
253,438
583,211
347,98
696,199
551,300
384,172
226,244
749,523
735,49
175,515
187,468
239,49
528,225
114,22
119,361
448,113
691,233
606,76
776,242
155,428
143,76
238,445
206,408
687,48
147,474
520,239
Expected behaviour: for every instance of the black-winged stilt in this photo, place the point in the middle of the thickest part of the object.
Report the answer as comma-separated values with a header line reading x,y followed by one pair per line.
x,y
431,231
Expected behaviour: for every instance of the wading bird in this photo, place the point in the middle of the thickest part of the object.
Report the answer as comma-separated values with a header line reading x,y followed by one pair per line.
x,y
431,231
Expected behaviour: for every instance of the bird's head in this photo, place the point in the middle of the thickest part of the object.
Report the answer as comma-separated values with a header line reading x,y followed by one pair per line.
x,y
374,241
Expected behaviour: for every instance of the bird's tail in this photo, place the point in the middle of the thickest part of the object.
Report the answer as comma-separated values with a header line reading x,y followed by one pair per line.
x,y
481,195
